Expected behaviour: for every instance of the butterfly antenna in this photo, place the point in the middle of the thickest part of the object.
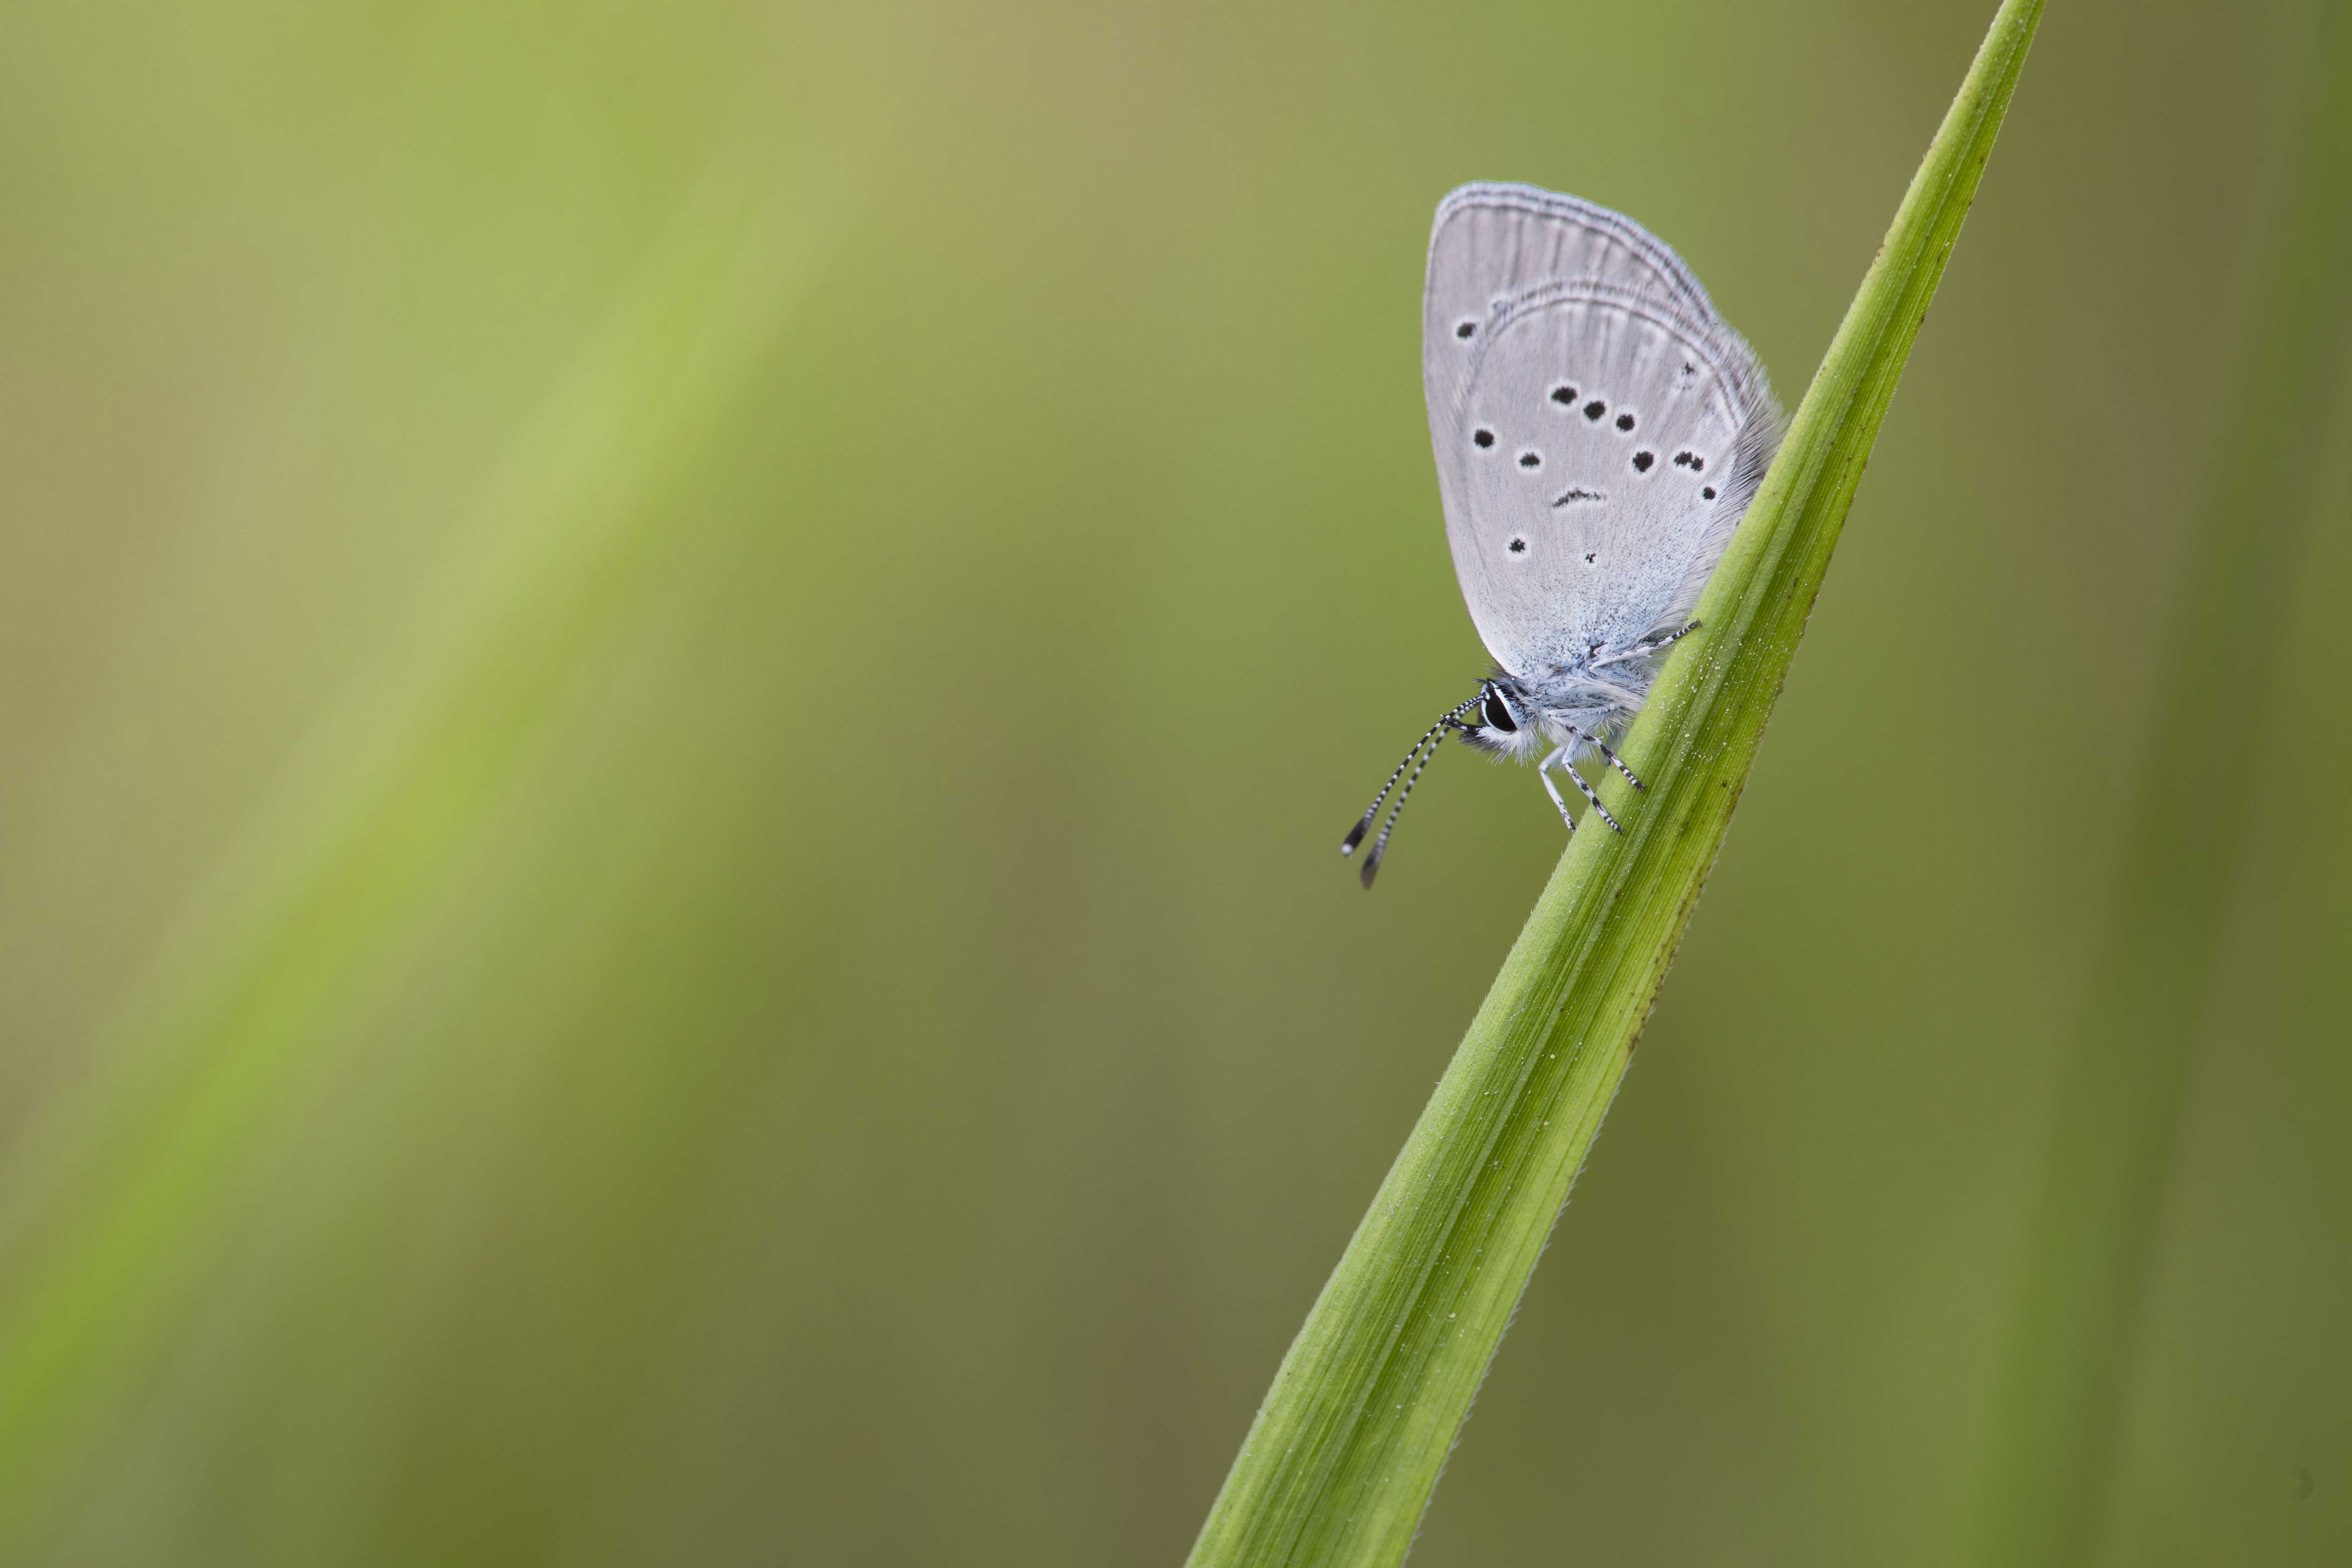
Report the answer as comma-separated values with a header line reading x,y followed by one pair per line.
x,y
1364,823
1380,844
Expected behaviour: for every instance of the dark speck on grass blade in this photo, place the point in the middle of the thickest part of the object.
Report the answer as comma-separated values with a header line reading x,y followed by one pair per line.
x,y
1344,1452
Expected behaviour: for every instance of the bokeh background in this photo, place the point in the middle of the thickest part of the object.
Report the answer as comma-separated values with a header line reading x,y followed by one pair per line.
x,y
677,685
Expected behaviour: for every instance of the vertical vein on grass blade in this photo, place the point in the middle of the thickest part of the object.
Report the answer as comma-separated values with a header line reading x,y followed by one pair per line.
x,y
2050,1446
1342,1458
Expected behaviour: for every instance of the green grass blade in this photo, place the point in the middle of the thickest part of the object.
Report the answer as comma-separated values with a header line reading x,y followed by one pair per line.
x,y
2052,1439
1343,1455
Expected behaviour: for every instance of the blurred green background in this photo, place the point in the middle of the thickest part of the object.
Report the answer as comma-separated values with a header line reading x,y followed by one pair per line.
x,y
677,686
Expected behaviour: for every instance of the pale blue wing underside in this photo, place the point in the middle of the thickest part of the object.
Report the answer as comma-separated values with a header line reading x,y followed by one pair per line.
x,y
1598,428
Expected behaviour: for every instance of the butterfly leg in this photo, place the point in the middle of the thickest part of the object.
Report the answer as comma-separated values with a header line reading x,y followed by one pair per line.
x,y
1643,650
1594,742
1543,771
1560,758
1657,644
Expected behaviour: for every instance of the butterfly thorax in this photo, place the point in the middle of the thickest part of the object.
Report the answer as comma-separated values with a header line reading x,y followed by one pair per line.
x,y
1573,704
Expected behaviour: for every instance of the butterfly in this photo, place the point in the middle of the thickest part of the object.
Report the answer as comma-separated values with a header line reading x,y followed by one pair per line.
x,y
1599,433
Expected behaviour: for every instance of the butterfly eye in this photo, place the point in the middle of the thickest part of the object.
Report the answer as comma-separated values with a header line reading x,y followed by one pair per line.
x,y
1499,713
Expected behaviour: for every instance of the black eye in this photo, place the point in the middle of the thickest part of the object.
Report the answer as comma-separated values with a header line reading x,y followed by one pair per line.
x,y
1499,713
1465,329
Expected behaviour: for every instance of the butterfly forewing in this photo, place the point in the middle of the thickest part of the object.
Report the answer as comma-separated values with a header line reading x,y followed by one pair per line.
x,y
1491,242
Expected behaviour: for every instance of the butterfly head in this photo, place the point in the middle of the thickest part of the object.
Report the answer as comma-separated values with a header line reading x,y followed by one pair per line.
x,y
1502,722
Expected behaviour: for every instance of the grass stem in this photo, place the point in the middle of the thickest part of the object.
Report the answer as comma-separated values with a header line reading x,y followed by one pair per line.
x,y
1343,1455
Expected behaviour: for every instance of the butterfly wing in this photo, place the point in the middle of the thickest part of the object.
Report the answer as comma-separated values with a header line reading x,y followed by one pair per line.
x,y
1597,435
1491,242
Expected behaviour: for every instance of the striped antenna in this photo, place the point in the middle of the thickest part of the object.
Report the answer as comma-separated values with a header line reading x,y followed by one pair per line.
x,y
1380,844
1416,759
